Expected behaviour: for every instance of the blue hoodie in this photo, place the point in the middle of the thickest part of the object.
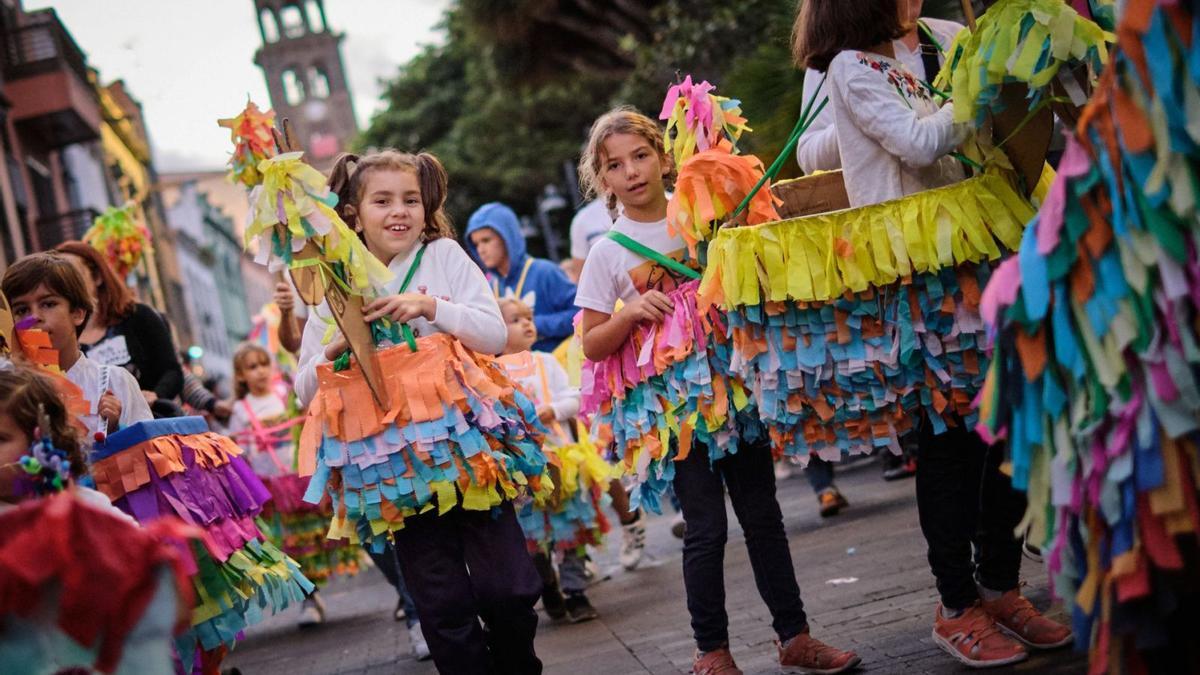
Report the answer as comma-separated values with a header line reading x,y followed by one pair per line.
x,y
546,288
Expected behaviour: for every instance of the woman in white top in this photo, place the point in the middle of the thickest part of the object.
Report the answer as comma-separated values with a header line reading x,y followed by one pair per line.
x,y
817,149
894,140
893,137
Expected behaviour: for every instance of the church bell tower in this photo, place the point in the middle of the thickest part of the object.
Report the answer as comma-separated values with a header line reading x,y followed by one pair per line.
x,y
301,58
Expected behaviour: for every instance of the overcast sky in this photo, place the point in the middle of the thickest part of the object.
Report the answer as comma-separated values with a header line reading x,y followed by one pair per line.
x,y
191,62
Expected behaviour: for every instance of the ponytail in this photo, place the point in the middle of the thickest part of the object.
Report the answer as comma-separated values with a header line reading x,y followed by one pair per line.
x,y
431,176
341,181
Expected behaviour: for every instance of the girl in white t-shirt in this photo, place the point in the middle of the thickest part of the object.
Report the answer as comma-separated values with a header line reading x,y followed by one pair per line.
x,y
259,413
894,140
624,162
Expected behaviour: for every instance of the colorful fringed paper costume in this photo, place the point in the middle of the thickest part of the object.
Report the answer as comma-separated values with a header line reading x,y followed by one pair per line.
x,y
82,588
847,326
292,207
177,468
1025,41
1094,382
120,237
571,517
458,435
666,388
295,526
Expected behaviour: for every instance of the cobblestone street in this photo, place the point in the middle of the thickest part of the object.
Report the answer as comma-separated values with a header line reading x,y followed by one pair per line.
x,y
863,575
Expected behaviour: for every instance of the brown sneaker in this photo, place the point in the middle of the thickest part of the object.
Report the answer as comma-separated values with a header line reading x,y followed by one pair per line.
x,y
806,654
831,502
1015,615
716,662
974,639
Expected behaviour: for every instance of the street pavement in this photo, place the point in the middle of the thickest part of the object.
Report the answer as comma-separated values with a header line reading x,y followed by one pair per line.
x,y
863,576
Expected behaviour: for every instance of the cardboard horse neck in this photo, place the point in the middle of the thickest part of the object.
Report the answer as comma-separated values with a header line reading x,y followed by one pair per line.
x,y
347,308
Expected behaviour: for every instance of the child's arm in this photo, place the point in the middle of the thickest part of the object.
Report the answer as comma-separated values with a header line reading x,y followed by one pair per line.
x,y
817,149
133,406
564,398
875,107
603,334
313,354
558,322
471,314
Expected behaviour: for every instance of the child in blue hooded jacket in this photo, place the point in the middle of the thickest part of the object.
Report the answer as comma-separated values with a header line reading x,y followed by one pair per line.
x,y
495,241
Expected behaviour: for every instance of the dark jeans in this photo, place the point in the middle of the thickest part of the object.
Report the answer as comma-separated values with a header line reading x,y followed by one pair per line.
x,y
749,475
470,565
387,563
819,473
968,510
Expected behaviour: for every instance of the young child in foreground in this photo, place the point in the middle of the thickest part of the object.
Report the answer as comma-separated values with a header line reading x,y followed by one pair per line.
x,y
625,161
47,292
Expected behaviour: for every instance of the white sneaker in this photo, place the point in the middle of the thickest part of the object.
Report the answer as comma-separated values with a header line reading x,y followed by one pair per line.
x,y
416,640
312,613
783,470
678,526
633,544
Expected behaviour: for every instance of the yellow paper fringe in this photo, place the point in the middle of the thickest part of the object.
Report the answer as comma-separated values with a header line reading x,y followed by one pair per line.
x,y
300,191
819,258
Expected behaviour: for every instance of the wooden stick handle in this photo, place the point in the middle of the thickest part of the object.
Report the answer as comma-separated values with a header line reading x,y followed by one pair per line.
x,y
969,12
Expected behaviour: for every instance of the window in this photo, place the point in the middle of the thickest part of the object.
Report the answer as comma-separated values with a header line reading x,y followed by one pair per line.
x,y
293,88
318,82
294,23
268,25
316,14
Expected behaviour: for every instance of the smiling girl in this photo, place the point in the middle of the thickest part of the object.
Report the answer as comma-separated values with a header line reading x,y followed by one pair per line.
x,y
465,564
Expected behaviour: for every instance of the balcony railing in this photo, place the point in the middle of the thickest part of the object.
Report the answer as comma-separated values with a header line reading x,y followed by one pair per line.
x,y
42,44
59,227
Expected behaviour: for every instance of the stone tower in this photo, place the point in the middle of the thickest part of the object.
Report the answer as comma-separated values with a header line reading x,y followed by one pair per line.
x,y
301,59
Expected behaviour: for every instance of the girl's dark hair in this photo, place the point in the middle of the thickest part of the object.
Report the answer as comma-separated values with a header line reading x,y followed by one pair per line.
x,y
114,300
825,27
56,273
240,358
22,391
348,180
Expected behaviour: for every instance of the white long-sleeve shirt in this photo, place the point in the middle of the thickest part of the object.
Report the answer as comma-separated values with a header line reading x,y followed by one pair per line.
x,y
544,379
892,137
89,377
466,308
817,149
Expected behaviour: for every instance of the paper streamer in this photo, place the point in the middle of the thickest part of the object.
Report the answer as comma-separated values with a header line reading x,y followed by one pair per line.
x,y
1094,382
175,468
458,434
667,388
1026,41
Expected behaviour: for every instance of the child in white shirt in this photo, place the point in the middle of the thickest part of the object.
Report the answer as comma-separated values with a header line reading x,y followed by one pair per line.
x,y
395,201
546,383
49,288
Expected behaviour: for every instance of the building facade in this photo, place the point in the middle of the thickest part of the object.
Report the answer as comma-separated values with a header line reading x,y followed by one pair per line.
x,y
209,257
71,148
47,105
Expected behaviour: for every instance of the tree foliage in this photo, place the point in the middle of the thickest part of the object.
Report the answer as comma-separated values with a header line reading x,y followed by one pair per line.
x,y
506,99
